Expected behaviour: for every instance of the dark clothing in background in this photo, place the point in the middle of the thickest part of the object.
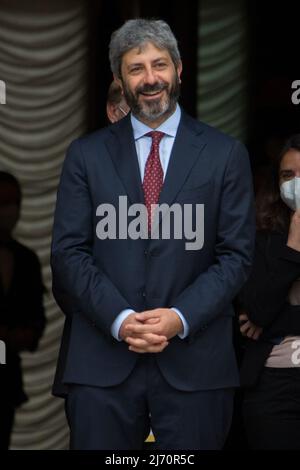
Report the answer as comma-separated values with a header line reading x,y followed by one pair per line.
x,y
7,414
271,405
272,410
21,309
264,299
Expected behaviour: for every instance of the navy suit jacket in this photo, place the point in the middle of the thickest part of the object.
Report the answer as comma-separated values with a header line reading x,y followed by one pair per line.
x,y
94,280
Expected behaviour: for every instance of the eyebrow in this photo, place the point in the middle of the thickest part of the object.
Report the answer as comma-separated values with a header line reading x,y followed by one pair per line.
x,y
286,170
137,64
159,59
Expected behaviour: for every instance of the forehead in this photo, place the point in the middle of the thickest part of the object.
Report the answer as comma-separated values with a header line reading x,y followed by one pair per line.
x,y
291,160
145,52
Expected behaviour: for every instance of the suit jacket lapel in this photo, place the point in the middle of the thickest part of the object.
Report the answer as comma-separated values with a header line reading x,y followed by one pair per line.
x,y
122,149
186,150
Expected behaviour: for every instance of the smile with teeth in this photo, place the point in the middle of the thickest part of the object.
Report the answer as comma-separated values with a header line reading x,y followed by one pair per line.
x,y
151,93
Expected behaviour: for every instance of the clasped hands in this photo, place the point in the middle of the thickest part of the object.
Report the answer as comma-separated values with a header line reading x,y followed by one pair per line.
x,y
247,328
150,331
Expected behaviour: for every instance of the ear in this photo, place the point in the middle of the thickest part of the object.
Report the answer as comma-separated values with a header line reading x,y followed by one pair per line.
x,y
179,71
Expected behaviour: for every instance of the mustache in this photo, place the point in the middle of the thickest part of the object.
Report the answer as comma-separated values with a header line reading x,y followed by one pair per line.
x,y
154,88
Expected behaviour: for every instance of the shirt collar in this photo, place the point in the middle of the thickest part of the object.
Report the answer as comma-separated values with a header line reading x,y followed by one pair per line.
x,y
169,126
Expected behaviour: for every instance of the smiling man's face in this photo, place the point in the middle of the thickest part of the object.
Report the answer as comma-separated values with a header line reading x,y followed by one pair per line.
x,y
151,83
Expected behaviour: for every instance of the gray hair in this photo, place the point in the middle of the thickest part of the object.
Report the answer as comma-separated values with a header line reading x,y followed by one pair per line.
x,y
136,33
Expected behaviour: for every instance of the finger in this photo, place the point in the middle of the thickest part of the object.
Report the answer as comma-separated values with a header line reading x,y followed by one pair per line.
x,y
158,347
152,321
136,342
149,337
255,335
152,338
251,332
145,340
147,314
245,327
138,329
137,350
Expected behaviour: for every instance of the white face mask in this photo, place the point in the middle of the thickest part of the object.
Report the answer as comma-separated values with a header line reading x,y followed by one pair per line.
x,y
290,193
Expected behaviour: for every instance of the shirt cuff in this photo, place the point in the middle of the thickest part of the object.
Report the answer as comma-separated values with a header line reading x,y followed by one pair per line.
x,y
115,327
186,327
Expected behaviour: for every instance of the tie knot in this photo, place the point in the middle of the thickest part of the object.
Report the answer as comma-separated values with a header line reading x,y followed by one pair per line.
x,y
156,136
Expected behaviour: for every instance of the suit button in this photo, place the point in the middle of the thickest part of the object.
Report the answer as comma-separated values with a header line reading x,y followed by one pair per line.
x,y
144,294
146,252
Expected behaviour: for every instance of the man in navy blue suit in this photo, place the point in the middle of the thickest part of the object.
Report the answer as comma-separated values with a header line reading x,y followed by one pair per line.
x,y
148,331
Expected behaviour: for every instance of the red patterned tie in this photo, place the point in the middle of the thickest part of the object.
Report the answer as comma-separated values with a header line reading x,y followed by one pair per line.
x,y
154,175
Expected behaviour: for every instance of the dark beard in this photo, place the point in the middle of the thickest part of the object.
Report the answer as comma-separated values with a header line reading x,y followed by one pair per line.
x,y
157,107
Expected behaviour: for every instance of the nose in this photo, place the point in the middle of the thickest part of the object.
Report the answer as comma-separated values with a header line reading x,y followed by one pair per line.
x,y
150,76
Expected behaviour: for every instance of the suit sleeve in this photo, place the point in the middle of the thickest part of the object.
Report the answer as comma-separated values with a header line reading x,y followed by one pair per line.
x,y
79,285
214,289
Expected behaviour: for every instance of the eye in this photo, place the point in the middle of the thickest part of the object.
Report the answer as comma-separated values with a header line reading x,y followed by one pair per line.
x,y
160,65
287,174
135,70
